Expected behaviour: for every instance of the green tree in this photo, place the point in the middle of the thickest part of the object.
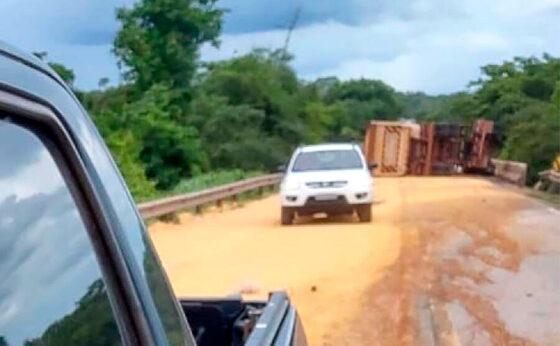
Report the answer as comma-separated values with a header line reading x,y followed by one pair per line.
x,y
65,73
319,119
157,47
534,138
126,152
507,88
358,102
169,151
522,97
159,40
233,136
555,98
256,112
112,99
420,106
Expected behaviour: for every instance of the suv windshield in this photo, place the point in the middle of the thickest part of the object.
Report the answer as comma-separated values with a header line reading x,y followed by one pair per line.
x,y
327,160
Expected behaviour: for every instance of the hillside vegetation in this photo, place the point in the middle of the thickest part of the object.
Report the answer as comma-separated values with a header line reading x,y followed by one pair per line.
x,y
176,117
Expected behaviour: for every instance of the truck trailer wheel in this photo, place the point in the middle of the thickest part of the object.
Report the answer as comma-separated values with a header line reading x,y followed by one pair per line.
x,y
287,216
364,213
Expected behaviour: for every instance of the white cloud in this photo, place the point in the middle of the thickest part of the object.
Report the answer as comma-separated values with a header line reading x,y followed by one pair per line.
x,y
90,62
438,47
431,45
77,33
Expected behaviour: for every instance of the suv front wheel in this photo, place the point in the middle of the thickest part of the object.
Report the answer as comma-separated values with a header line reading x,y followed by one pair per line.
x,y
287,216
364,212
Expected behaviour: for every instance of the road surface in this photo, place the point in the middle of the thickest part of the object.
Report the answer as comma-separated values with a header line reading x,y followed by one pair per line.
x,y
452,260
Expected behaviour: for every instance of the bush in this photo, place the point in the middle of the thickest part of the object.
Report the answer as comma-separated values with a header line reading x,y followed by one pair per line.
x,y
126,150
212,179
534,138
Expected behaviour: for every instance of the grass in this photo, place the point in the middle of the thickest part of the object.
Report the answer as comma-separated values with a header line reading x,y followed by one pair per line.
x,y
201,182
212,179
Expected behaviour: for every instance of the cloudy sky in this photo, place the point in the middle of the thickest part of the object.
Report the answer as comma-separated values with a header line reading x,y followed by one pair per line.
x,y
435,46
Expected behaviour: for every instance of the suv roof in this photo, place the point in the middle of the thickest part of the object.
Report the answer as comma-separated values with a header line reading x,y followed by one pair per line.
x,y
328,146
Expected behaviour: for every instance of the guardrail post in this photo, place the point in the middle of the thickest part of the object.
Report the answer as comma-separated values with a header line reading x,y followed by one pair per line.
x,y
219,203
198,209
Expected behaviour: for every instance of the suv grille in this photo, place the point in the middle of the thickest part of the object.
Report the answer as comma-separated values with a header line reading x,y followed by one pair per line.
x,y
326,184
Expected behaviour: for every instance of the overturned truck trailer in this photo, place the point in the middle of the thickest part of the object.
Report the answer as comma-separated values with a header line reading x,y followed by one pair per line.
x,y
438,150
387,144
480,147
401,148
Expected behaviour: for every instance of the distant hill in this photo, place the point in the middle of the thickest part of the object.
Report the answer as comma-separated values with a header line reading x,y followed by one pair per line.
x,y
421,106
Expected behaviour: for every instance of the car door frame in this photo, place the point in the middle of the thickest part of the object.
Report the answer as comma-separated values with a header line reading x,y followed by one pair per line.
x,y
28,112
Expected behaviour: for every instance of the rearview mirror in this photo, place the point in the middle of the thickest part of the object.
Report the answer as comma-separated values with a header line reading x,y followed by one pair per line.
x,y
281,168
372,166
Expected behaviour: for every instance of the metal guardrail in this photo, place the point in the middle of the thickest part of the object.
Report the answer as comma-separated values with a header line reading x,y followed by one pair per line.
x,y
216,195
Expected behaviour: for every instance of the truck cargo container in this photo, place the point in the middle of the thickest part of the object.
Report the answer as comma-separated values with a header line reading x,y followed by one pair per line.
x,y
387,144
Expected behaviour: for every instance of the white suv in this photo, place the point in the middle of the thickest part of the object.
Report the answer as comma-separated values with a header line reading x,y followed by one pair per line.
x,y
327,178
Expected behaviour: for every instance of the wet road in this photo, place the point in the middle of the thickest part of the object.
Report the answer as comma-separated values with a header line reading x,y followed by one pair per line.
x,y
449,260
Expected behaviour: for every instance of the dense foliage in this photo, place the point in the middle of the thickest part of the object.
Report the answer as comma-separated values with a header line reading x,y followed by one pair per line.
x,y
159,40
176,118
356,102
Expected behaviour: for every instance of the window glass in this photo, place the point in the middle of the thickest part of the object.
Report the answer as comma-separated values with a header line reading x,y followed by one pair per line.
x,y
51,289
135,242
327,160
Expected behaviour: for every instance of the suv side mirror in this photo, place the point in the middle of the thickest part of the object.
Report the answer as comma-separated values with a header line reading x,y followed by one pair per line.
x,y
372,166
281,168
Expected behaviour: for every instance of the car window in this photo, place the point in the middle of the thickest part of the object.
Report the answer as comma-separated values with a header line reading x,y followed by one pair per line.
x,y
51,287
327,160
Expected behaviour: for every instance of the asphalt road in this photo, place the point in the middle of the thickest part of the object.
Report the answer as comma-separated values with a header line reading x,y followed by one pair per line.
x,y
452,260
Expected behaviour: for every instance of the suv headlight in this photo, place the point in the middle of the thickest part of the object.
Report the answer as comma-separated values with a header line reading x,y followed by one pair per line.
x,y
290,185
